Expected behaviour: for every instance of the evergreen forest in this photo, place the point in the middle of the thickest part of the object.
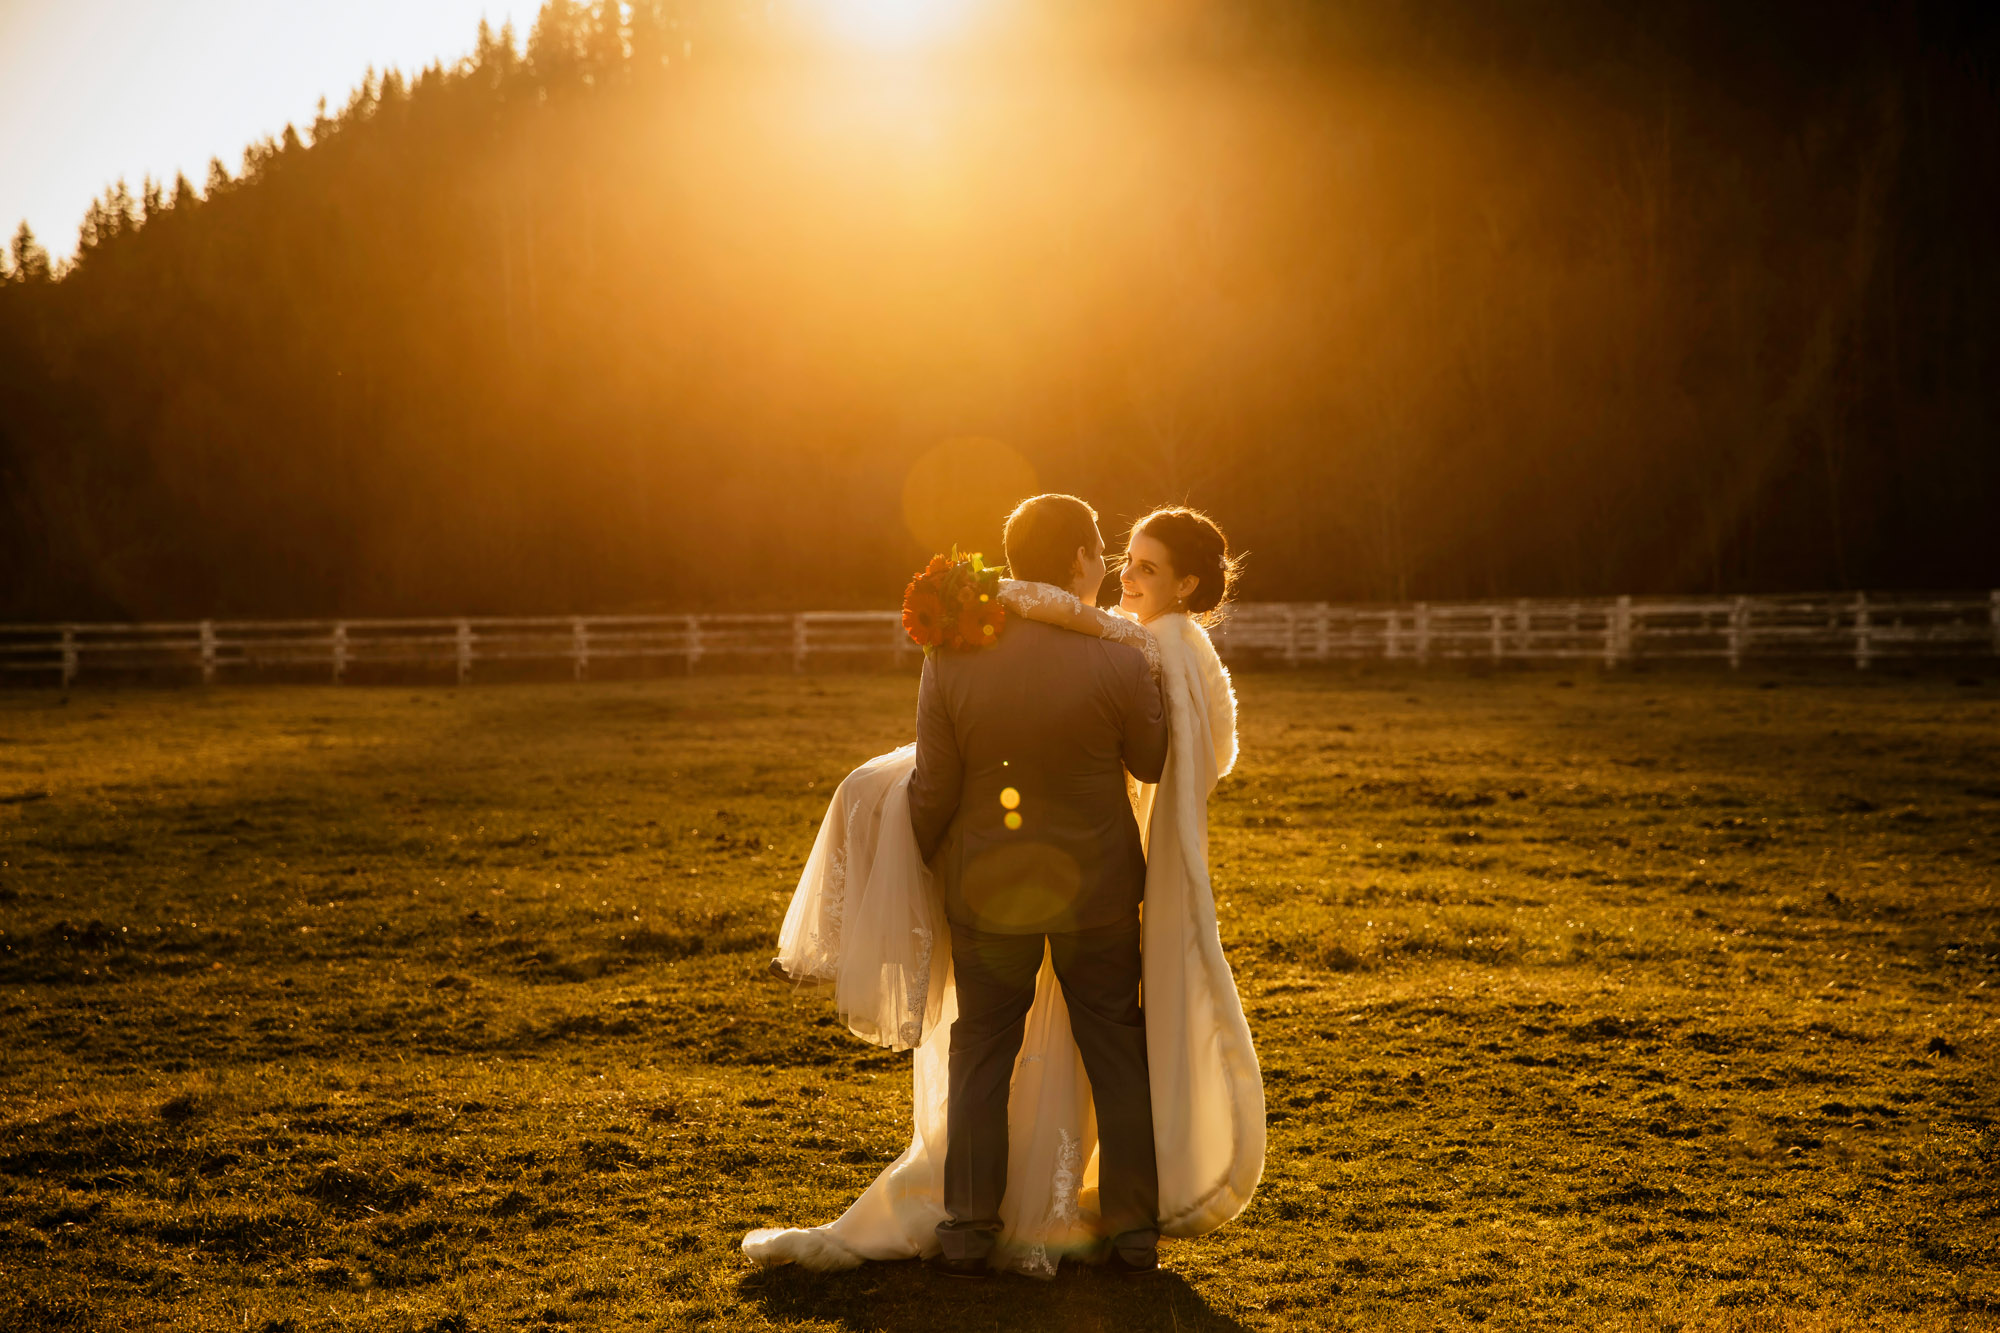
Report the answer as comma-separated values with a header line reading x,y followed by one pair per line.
x,y
674,305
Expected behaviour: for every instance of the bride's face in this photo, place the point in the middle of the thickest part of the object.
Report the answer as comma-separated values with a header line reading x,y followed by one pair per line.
x,y
1150,585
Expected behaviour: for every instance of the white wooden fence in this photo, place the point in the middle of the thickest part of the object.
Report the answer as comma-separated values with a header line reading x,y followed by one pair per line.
x,y
1864,628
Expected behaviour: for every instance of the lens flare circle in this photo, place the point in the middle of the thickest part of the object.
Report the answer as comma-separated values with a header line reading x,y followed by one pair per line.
x,y
959,493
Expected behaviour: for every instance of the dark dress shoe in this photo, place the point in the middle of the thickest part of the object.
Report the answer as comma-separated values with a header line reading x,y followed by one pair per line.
x,y
974,1269
1124,1267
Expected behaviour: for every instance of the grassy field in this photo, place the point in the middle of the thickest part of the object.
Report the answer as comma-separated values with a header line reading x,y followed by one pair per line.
x,y
1636,1001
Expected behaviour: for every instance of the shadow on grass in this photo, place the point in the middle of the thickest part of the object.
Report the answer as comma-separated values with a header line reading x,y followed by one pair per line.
x,y
899,1296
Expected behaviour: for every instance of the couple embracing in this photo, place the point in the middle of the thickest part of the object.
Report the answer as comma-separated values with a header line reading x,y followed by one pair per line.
x,y
998,896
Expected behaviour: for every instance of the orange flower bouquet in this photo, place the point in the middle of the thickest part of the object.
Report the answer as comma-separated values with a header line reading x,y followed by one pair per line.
x,y
954,603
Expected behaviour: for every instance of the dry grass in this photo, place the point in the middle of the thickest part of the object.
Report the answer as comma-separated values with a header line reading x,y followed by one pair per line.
x,y
1623,1002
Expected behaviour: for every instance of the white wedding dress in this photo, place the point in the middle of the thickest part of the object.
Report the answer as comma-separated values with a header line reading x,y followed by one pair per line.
x,y
866,918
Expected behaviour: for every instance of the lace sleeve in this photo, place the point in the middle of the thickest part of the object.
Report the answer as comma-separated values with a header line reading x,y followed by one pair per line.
x,y
1053,606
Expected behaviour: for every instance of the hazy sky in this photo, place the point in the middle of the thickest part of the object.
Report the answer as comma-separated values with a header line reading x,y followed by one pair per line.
x,y
91,90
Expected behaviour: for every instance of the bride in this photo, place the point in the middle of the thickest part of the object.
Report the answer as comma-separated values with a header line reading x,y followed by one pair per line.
x,y
866,919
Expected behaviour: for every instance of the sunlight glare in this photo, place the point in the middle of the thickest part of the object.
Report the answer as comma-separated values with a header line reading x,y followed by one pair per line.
x,y
890,25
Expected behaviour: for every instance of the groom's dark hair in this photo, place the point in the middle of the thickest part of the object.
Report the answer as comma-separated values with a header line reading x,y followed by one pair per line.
x,y
1042,535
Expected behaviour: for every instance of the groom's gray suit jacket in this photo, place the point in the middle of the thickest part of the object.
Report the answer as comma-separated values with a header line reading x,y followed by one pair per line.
x,y
1043,725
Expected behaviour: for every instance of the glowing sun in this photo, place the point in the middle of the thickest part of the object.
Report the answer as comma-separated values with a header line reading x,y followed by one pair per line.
x,y
887,25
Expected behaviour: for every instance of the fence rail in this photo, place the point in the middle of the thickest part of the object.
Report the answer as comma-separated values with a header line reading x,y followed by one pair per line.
x,y
1863,628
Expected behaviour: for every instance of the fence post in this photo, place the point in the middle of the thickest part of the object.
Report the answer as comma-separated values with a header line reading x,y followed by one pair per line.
x,y
1392,635
1864,646
694,642
1524,638
579,651
1324,635
798,644
903,643
1423,633
1739,617
1497,635
1621,631
68,656
464,651
1994,614
208,652
339,651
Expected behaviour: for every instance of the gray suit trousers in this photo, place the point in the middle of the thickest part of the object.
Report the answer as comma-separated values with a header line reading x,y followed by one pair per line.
x,y
995,978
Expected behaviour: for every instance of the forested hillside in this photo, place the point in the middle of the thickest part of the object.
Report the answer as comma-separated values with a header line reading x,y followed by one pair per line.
x,y
661,306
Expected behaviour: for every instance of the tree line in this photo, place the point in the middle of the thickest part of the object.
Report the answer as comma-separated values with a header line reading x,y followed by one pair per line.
x,y
672,306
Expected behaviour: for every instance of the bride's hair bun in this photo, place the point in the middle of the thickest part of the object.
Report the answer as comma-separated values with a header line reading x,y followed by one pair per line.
x,y
1198,548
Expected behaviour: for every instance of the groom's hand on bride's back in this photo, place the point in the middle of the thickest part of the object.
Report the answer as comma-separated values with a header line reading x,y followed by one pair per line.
x,y
1145,743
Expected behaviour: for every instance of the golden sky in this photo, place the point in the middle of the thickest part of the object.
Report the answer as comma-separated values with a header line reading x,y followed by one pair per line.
x,y
95,90
91,90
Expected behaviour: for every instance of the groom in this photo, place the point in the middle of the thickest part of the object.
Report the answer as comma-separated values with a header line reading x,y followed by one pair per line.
x,y
1020,809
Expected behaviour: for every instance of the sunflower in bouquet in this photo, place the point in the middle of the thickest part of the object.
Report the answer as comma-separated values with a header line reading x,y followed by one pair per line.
x,y
954,603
